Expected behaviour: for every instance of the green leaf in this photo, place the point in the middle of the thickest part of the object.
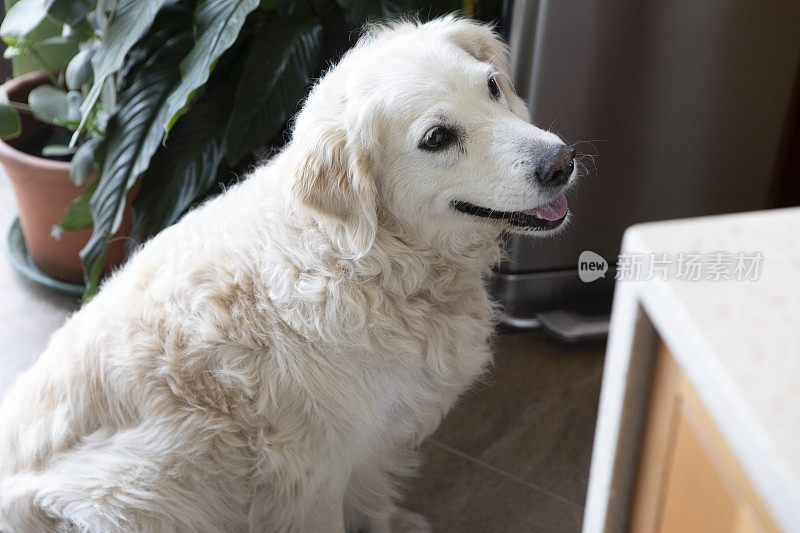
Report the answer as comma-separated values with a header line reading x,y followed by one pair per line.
x,y
53,106
134,133
75,99
69,11
10,125
185,168
79,214
83,162
79,70
55,40
21,19
130,21
218,24
276,74
171,20
81,31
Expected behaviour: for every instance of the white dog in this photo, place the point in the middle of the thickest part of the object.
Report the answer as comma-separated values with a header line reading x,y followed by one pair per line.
x,y
271,362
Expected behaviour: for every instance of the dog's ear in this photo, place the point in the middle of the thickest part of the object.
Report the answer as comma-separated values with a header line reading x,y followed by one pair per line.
x,y
482,42
334,179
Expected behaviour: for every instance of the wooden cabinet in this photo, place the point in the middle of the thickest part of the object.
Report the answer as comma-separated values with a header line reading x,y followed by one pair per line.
x,y
704,436
688,480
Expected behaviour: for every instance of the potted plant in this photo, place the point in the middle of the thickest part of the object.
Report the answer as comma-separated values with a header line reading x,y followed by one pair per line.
x,y
39,112
188,94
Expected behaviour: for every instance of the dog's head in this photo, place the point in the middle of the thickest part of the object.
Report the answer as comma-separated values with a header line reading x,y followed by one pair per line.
x,y
422,122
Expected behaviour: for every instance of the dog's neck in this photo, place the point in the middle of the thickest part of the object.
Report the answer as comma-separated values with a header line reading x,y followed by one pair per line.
x,y
445,257
473,247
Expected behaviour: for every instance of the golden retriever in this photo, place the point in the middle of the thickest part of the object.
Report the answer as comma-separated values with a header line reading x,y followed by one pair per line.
x,y
271,362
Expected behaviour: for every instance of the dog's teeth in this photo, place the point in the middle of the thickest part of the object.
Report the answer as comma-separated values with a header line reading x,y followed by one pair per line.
x,y
537,215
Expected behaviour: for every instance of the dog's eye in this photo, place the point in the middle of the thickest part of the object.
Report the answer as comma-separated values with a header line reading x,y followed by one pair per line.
x,y
436,138
494,90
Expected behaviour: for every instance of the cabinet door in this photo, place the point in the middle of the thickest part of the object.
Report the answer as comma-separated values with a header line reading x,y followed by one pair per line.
x,y
688,479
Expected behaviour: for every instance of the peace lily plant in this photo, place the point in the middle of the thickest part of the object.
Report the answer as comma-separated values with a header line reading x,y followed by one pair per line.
x,y
179,94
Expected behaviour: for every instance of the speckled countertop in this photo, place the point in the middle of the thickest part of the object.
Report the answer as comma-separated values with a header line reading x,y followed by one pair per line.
x,y
752,327
732,324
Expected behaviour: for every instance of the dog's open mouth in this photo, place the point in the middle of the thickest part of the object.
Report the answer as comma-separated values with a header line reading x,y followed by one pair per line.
x,y
543,217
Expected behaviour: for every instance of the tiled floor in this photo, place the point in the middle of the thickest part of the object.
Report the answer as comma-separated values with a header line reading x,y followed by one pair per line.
x,y
514,453
512,456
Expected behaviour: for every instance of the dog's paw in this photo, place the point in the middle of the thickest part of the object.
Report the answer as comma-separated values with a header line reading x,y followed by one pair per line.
x,y
404,521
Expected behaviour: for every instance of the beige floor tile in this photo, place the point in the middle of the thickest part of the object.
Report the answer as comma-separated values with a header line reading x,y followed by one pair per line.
x,y
457,495
534,412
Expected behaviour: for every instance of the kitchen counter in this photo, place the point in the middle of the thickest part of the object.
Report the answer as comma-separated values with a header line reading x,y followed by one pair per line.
x,y
733,328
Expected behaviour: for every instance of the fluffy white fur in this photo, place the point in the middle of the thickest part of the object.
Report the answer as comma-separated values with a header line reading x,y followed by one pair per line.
x,y
271,362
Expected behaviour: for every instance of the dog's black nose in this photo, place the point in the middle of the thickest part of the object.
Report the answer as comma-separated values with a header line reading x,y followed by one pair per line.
x,y
556,168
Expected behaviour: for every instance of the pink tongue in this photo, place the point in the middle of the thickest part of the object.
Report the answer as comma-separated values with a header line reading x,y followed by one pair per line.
x,y
555,210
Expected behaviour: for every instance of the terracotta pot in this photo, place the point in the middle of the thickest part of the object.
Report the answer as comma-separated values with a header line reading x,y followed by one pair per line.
x,y
43,190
